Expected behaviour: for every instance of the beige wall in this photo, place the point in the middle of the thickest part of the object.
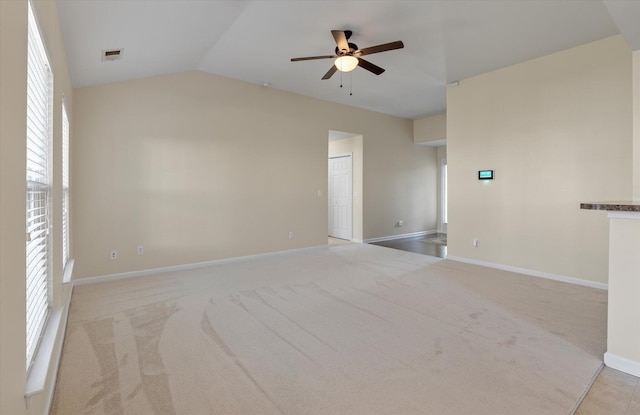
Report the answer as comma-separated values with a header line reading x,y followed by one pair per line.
x,y
430,130
557,132
13,49
354,146
198,167
400,181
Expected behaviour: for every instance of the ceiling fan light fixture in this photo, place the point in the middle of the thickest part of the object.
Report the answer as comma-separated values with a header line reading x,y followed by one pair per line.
x,y
346,63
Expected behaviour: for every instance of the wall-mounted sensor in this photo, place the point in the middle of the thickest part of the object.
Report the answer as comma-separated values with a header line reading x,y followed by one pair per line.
x,y
485,174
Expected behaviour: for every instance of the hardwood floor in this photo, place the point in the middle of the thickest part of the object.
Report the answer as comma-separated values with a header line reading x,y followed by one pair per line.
x,y
612,393
419,244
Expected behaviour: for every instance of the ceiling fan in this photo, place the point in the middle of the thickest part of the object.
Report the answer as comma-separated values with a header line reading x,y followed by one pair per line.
x,y
348,56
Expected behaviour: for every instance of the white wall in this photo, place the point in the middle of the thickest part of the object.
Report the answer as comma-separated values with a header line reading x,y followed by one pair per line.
x,y
13,51
198,167
557,132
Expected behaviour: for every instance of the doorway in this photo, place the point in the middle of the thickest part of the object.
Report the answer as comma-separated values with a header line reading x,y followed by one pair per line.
x,y
344,144
340,196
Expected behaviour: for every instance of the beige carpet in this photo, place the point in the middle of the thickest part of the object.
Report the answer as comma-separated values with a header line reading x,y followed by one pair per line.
x,y
345,329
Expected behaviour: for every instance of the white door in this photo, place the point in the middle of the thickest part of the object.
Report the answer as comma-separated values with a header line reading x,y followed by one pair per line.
x,y
340,197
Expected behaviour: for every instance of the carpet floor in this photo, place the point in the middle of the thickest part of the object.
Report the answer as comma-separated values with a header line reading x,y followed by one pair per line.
x,y
344,329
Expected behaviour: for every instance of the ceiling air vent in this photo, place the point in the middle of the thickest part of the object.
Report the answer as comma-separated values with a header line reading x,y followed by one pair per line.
x,y
112,54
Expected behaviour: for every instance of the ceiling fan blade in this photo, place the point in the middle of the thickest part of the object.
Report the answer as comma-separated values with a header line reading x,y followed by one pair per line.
x,y
370,66
341,40
309,58
330,72
380,48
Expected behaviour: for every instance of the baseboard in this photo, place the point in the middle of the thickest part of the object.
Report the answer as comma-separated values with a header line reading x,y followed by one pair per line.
x,y
622,364
533,273
392,237
183,267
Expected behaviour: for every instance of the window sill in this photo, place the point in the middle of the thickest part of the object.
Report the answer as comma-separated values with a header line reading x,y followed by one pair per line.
x,y
45,360
38,374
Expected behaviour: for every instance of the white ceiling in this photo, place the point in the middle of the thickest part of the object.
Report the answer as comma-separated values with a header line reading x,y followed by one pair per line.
x,y
253,41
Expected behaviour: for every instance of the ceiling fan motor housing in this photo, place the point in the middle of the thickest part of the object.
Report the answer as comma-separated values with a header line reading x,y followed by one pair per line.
x,y
352,48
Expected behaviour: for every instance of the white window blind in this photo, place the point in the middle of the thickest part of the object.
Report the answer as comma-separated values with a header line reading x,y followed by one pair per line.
x,y
65,186
39,106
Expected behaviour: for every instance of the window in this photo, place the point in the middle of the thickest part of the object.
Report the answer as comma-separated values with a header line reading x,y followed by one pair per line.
x,y
443,195
65,186
39,109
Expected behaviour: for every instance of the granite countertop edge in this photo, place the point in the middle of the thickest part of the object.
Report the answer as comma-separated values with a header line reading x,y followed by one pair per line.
x,y
617,206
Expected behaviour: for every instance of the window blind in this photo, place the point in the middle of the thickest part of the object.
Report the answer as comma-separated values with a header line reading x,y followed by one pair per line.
x,y
65,186
39,105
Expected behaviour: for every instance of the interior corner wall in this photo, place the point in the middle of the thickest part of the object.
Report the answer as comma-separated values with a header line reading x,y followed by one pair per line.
x,y
429,130
354,146
197,167
13,101
400,183
557,132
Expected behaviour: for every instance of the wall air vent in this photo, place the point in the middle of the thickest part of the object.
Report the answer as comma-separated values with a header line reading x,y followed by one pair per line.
x,y
112,54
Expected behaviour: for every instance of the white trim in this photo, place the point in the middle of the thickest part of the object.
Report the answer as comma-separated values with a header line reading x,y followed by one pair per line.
x,y
392,237
58,357
443,194
533,273
622,364
184,267
434,143
623,215
68,271
38,373
341,155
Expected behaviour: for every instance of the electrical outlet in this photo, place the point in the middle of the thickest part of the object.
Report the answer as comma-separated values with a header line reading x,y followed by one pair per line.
x,y
290,235
475,243
140,249
113,254
400,223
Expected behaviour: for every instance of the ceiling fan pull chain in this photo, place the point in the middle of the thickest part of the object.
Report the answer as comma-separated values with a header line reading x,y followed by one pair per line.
x,y
340,79
351,84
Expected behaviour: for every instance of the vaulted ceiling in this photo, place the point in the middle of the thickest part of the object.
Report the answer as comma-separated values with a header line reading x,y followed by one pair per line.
x,y
253,41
